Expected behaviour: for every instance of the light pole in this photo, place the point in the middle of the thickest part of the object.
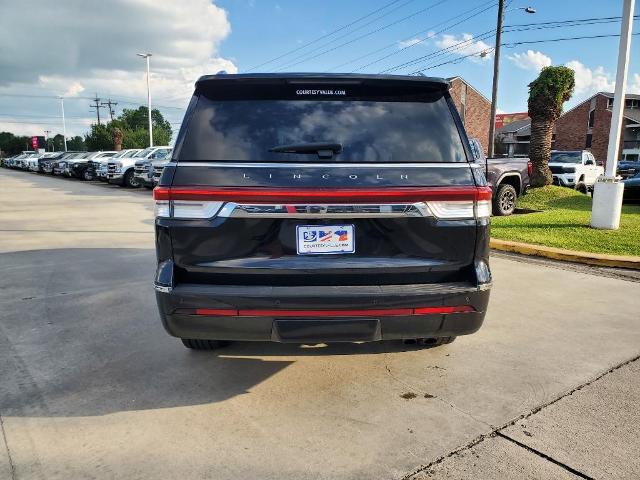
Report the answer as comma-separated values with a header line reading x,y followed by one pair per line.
x,y
608,190
496,70
147,56
64,124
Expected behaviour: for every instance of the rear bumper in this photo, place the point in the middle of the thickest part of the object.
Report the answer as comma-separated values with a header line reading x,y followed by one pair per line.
x,y
178,312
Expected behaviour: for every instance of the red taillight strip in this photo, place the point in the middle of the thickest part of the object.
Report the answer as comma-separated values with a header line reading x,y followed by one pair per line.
x,y
380,312
291,195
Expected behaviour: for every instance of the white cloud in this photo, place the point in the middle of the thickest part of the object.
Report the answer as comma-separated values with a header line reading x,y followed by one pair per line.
x,y
634,85
409,43
74,90
466,45
590,81
530,60
74,47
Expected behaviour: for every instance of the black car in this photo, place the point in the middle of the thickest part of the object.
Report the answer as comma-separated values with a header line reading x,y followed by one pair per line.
x,y
321,208
631,193
628,168
44,162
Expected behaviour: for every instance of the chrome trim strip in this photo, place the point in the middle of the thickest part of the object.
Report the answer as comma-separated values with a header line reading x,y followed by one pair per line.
x,y
235,210
320,165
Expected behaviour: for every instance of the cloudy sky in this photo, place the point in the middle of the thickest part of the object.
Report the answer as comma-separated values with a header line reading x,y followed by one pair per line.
x,y
81,48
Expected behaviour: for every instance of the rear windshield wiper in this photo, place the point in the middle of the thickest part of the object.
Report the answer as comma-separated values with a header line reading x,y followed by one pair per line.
x,y
324,150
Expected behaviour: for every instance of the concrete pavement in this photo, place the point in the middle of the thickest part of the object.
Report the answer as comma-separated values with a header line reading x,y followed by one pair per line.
x,y
93,387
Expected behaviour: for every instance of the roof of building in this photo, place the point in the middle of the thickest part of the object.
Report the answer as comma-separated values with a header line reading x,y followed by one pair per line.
x,y
515,126
628,96
458,77
632,114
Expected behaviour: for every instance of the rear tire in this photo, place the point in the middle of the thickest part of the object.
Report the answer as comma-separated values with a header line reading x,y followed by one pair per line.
x,y
86,175
129,180
504,202
582,187
196,344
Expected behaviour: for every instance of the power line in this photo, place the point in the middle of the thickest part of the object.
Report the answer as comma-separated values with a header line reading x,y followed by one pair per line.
x,y
372,32
507,29
347,34
140,103
443,51
323,36
568,21
513,44
429,36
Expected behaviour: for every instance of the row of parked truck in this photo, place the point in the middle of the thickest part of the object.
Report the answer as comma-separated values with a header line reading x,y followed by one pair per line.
x,y
130,168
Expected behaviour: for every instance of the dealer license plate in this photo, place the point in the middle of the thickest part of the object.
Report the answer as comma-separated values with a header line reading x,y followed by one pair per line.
x,y
325,239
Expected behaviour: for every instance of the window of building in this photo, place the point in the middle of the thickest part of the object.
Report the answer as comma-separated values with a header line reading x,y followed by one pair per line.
x,y
609,102
592,117
588,142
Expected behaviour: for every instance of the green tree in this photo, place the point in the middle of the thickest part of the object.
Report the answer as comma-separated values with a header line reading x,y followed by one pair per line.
x,y
76,144
11,144
99,138
135,130
547,94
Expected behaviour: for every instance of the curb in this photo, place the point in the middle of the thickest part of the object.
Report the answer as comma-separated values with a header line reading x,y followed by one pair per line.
x,y
619,261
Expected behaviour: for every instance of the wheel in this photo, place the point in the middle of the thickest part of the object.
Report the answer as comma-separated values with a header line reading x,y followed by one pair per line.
x,y
504,201
582,187
430,342
129,180
86,175
196,344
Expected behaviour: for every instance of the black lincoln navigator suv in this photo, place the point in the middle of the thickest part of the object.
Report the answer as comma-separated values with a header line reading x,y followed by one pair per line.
x,y
321,208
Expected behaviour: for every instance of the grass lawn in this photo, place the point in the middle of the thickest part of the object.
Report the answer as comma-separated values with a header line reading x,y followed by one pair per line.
x,y
564,223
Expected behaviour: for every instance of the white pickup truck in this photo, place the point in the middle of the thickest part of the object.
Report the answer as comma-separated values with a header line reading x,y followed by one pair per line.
x,y
575,169
121,170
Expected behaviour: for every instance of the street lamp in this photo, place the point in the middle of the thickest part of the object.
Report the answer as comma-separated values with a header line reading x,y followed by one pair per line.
x,y
147,56
64,124
496,69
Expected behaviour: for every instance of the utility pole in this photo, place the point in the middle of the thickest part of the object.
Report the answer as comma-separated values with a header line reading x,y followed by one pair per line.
x,y
109,104
496,72
97,106
608,190
64,124
147,56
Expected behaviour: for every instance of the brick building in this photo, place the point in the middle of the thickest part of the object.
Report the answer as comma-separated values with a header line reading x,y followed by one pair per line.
x,y
474,109
586,126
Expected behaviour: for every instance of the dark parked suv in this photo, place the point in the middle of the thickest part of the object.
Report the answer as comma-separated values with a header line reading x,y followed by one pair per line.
x,y
321,208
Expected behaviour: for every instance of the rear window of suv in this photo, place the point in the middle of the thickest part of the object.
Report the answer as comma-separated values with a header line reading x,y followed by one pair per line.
x,y
366,130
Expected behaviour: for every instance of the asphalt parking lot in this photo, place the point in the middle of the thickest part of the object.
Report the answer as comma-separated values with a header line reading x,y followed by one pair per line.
x,y
92,387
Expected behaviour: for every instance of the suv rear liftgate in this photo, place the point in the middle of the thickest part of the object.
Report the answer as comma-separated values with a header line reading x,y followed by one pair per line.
x,y
321,208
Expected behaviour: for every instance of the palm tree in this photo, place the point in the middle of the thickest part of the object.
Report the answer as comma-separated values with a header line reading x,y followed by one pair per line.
x,y
547,94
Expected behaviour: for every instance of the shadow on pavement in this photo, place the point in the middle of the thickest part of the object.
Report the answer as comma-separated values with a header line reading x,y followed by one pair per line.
x,y
80,336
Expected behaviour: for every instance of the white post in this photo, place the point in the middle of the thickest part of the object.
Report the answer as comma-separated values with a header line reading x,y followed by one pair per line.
x,y
608,190
64,124
149,103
